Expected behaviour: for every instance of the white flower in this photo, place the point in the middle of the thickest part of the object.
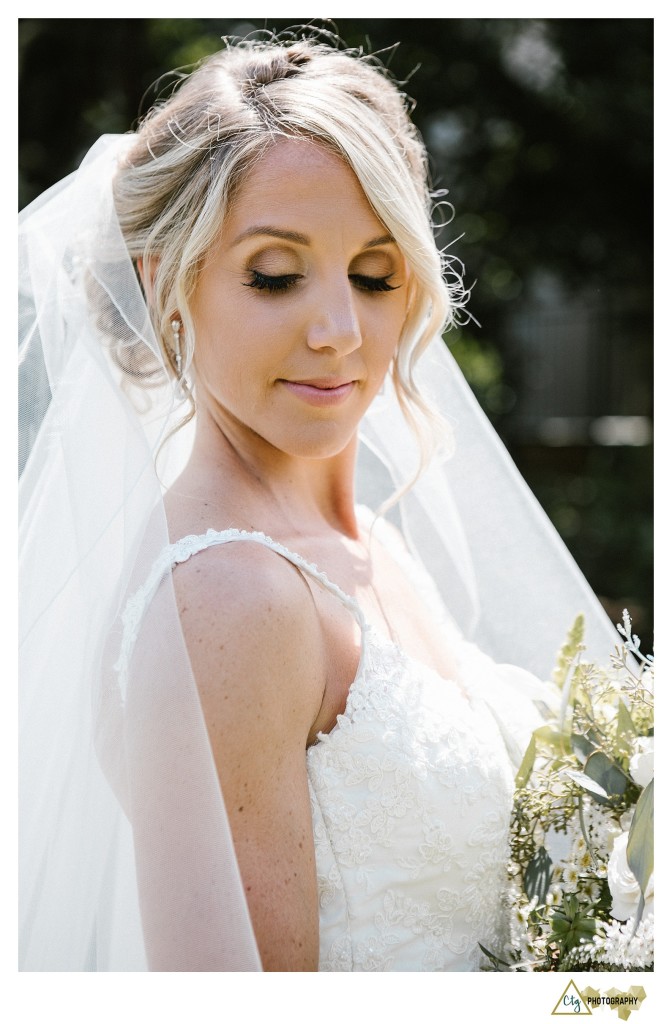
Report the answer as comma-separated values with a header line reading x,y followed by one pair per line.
x,y
602,828
641,762
601,869
592,891
571,877
623,885
623,949
585,860
554,896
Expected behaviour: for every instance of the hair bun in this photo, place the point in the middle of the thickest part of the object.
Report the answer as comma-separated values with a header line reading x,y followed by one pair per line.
x,y
276,67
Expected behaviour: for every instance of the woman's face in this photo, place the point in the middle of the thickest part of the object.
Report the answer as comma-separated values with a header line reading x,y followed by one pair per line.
x,y
299,306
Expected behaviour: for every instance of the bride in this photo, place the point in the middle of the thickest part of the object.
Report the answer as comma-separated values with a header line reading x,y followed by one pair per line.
x,y
262,723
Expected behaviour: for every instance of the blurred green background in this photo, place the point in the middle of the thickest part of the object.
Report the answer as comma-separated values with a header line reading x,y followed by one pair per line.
x,y
541,130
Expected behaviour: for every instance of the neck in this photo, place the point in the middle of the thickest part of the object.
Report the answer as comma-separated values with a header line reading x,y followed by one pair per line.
x,y
303,496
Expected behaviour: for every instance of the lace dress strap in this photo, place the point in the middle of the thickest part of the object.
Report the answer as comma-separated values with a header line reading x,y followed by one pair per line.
x,y
181,551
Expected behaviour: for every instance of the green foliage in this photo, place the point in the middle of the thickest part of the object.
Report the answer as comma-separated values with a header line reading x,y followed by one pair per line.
x,y
575,792
569,651
527,764
640,847
608,774
571,925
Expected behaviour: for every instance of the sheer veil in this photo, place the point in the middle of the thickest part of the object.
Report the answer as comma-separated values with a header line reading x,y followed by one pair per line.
x,y
118,790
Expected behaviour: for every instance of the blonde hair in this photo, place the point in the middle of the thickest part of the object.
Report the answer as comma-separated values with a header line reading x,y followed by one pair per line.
x,y
192,152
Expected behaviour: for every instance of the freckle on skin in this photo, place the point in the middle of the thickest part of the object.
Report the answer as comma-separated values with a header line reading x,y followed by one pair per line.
x,y
240,808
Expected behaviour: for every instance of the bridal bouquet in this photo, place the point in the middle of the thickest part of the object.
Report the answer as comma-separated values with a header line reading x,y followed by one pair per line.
x,y
581,868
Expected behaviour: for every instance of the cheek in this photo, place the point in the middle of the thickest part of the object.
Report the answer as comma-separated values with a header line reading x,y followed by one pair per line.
x,y
256,326
388,330
380,357
226,331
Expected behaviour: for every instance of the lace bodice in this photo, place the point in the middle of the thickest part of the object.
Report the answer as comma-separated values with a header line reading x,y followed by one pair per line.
x,y
410,793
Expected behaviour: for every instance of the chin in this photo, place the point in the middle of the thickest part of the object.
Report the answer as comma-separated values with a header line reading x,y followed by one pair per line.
x,y
324,443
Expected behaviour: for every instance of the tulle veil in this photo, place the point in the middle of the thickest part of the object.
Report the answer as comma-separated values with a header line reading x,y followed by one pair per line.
x,y
118,790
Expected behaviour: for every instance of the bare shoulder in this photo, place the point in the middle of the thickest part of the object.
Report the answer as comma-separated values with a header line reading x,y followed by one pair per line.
x,y
256,649
253,634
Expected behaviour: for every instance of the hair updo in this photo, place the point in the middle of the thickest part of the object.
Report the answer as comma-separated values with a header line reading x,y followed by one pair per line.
x,y
193,151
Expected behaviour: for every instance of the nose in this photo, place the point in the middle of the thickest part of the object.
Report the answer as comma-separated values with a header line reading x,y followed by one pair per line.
x,y
335,322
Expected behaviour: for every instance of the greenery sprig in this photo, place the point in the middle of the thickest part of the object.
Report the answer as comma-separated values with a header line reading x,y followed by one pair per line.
x,y
581,866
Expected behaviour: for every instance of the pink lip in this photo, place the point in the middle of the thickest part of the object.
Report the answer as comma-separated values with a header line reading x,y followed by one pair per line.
x,y
322,390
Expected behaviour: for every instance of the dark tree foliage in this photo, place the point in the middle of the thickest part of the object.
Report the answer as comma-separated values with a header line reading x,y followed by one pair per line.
x,y
540,130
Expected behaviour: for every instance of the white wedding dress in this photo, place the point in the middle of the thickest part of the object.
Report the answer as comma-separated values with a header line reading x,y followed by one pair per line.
x,y
411,790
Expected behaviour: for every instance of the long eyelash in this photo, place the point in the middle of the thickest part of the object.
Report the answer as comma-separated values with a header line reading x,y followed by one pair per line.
x,y
271,284
373,284
283,282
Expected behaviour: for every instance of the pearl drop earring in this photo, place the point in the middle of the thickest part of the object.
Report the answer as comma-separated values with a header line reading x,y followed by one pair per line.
x,y
177,327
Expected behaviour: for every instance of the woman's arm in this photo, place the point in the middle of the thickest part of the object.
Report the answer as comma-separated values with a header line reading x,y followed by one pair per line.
x,y
256,649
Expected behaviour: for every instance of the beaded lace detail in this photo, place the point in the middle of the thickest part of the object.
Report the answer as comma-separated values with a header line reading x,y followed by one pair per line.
x,y
410,794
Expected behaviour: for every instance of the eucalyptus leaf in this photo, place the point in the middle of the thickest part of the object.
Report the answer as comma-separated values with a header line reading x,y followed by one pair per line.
x,y
640,912
599,794
537,878
639,851
582,746
606,773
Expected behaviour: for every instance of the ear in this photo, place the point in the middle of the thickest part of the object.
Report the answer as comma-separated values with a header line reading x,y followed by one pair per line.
x,y
147,272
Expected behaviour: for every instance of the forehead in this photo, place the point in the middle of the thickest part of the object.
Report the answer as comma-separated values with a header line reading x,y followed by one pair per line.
x,y
297,178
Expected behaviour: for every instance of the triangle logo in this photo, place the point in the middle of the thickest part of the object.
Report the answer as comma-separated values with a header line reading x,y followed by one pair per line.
x,y
571,1002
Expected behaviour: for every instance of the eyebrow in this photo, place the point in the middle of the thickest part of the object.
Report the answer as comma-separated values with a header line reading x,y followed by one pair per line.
x,y
299,239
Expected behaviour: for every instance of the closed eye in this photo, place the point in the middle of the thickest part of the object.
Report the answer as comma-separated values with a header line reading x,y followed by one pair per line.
x,y
373,284
268,283
283,282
